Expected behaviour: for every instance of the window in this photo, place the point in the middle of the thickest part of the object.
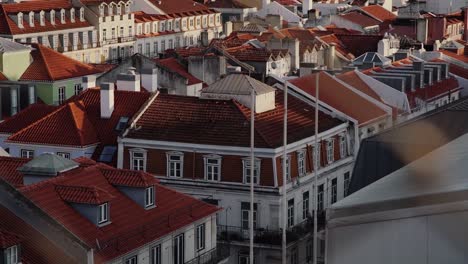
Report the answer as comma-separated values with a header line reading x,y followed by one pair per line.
x,y
155,255
11,255
200,237
163,45
140,48
138,160
316,151
155,47
26,153
148,49
320,198
103,216
169,26
305,205
171,44
64,155
61,94
14,101
347,180
113,33
291,213
191,22
177,23
301,168
82,14
78,88
149,196
330,151
101,10
131,260
107,154
245,214
179,249
309,250
122,123
288,168
294,256
104,34
343,146
213,168
248,173
334,191
130,31
175,162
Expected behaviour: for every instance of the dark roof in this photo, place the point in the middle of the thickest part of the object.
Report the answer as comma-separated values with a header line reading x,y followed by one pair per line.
x,y
389,151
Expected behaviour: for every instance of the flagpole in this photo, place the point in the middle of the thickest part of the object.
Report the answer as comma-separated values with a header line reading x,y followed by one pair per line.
x,y
316,163
252,175
285,192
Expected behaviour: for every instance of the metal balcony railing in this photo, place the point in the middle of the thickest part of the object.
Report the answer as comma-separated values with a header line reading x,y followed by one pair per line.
x,y
213,256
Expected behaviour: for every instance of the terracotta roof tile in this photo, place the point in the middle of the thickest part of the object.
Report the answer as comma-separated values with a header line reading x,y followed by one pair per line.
x,y
221,122
8,239
83,194
226,4
9,171
360,19
379,12
25,117
49,65
340,97
128,178
171,6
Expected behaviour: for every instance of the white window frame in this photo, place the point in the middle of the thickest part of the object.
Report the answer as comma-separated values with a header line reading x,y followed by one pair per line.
x,y
330,150
257,170
132,260
27,153
64,154
211,162
200,237
149,197
305,205
61,94
103,213
175,162
78,88
288,167
245,223
346,182
11,255
301,162
333,191
343,146
143,158
156,254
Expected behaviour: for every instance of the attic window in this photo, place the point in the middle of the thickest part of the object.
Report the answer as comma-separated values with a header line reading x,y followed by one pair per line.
x,y
122,123
103,216
149,197
107,154
11,255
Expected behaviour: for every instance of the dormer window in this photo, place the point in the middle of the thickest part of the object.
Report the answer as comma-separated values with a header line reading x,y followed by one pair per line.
x,y
20,20
72,15
103,214
42,18
149,197
62,16
101,10
169,26
110,10
11,255
127,8
52,17
330,151
301,167
82,19
175,162
343,146
288,167
248,170
31,19
316,151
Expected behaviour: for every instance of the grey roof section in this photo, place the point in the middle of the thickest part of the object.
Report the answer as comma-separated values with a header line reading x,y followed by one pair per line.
x,y
238,84
47,164
7,45
393,149
374,57
437,177
252,28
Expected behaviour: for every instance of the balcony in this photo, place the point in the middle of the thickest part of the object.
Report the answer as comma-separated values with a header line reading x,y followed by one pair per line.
x,y
126,39
269,237
213,256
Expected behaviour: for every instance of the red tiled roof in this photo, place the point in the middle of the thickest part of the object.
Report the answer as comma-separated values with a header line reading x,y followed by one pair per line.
x,y
463,58
50,65
225,122
3,77
25,117
83,194
128,178
8,239
355,81
171,6
379,12
340,97
9,171
360,19
173,65
79,122
358,44
68,125
248,52
131,226
226,4
333,39
9,27
36,248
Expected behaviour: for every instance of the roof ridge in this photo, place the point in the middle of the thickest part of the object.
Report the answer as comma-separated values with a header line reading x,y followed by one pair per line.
x,y
39,49
80,133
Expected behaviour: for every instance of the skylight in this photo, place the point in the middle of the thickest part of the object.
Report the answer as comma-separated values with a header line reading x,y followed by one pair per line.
x,y
107,154
122,123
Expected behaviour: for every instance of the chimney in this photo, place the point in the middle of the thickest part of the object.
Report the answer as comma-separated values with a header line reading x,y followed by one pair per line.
x,y
107,100
331,56
88,82
149,79
129,81
306,6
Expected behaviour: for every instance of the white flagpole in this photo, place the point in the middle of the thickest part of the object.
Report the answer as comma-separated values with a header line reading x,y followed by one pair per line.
x,y
252,174
285,143
317,155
